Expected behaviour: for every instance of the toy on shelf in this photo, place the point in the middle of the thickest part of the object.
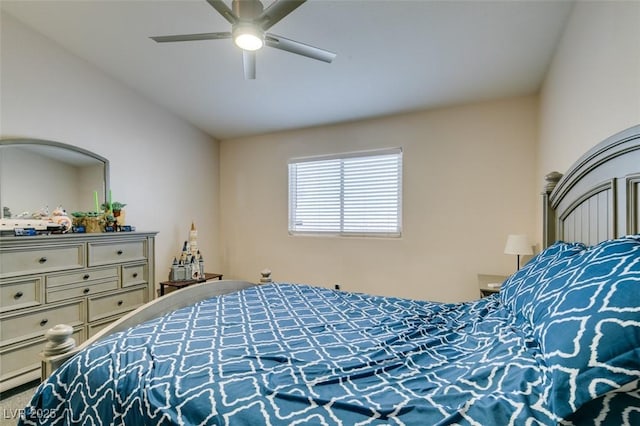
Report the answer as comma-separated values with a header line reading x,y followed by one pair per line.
x,y
189,265
40,222
59,217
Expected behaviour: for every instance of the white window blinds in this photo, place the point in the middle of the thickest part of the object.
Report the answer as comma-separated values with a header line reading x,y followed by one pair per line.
x,y
352,194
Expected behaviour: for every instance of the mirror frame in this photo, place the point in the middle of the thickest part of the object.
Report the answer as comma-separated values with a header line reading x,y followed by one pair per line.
x,y
43,142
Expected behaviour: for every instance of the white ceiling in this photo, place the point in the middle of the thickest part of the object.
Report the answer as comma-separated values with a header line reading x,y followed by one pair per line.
x,y
392,56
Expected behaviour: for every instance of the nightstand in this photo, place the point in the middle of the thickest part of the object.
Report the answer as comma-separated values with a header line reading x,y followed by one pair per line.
x,y
181,284
486,283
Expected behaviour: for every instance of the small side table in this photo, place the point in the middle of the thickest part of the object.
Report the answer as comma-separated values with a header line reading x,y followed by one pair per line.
x,y
187,283
487,284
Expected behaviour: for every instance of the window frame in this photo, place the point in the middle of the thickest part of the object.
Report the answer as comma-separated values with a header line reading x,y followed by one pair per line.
x,y
344,156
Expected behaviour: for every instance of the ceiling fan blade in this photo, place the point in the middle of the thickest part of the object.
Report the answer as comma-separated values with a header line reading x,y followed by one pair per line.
x,y
223,10
249,64
191,37
274,13
293,46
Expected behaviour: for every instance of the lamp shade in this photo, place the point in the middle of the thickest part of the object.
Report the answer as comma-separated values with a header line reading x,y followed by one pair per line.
x,y
518,244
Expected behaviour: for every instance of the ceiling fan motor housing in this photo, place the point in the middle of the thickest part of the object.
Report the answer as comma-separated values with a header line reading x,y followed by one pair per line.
x,y
247,10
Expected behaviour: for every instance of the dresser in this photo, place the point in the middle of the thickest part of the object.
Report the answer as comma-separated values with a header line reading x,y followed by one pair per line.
x,y
83,280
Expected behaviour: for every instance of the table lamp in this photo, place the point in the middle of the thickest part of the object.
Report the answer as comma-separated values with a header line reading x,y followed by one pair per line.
x,y
518,244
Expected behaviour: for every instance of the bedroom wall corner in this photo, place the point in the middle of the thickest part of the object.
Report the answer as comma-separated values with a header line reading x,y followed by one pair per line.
x,y
592,88
164,168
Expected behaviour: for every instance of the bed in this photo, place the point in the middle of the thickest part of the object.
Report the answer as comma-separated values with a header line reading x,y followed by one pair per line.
x,y
559,344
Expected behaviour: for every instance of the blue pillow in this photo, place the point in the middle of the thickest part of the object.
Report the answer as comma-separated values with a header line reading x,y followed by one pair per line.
x,y
585,314
614,408
520,289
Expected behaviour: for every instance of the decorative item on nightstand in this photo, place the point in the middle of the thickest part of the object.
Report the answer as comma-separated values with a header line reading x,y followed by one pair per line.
x,y
518,244
190,264
188,267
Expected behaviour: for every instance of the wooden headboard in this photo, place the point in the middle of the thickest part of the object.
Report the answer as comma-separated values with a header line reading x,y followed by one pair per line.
x,y
598,198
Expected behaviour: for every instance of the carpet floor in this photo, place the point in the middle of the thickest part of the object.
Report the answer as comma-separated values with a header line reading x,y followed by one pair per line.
x,y
14,401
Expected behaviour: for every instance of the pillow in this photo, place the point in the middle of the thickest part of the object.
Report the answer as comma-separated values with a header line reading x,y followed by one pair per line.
x,y
614,408
520,288
585,314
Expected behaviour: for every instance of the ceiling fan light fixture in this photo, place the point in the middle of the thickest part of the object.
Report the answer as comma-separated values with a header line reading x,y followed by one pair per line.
x,y
250,22
247,37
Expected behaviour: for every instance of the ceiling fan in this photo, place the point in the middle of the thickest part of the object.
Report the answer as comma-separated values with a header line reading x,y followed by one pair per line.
x,y
249,24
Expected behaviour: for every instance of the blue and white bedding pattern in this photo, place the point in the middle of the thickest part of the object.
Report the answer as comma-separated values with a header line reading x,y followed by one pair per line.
x,y
559,344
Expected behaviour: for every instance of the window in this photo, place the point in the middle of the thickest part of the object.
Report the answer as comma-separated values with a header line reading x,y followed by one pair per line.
x,y
349,194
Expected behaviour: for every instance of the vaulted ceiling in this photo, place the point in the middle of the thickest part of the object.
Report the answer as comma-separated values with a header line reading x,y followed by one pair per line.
x,y
393,56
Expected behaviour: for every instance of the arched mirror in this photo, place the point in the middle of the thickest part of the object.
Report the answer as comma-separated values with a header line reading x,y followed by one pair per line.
x,y
37,174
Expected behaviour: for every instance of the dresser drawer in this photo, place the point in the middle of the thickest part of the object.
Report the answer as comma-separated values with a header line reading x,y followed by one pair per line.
x,y
118,252
115,304
99,325
134,274
81,276
18,294
21,359
40,259
20,327
69,291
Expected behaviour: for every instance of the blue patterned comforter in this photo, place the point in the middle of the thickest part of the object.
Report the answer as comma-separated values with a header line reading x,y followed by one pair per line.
x,y
560,343
294,354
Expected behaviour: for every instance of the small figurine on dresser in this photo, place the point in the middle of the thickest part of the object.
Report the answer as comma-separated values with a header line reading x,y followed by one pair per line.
x,y
117,208
189,265
60,218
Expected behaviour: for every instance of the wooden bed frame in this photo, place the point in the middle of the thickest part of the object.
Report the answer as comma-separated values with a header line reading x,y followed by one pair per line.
x,y
597,199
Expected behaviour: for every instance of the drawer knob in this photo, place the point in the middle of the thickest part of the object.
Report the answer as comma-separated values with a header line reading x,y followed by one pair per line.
x,y
135,275
85,276
120,302
44,322
18,295
86,290
42,259
119,252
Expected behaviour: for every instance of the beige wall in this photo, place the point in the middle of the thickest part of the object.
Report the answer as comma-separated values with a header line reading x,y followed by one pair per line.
x,y
592,89
468,179
163,168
